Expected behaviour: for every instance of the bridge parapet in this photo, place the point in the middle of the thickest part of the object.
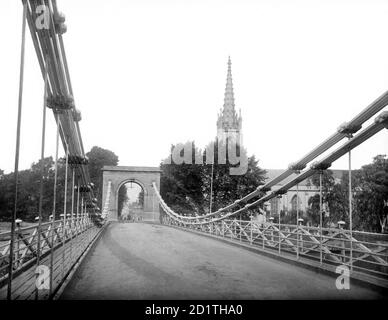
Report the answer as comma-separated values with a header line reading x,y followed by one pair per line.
x,y
368,260
52,250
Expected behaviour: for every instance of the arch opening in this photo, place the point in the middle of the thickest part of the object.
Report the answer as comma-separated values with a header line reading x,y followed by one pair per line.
x,y
130,200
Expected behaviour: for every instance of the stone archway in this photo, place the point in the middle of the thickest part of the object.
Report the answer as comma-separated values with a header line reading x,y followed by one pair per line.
x,y
144,176
131,208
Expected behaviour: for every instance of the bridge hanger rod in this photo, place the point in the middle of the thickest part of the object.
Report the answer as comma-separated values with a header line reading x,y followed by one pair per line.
x,y
17,151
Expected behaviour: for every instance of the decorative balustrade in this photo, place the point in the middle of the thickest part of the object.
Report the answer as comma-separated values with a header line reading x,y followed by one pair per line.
x,y
363,252
66,239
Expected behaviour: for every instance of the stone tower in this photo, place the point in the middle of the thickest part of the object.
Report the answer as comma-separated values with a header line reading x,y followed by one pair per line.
x,y
229,123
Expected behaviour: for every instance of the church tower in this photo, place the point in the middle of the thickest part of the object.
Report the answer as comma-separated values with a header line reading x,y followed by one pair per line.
x,y
229,123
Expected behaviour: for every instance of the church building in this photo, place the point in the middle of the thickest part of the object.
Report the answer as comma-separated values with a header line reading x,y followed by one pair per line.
x,y
229,125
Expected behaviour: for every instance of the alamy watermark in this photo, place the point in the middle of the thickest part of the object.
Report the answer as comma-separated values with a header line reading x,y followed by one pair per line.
x,y
43,19
343,280
227,153
42,281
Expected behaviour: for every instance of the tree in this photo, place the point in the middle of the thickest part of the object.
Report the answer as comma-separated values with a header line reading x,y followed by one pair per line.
x,y
140,198
99,157
313,212
227,187
181,184
7,190
371,195
29,186
122,198
29,191
186,188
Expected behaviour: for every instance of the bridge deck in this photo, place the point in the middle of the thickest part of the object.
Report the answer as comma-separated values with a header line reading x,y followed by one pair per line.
x,y
145,261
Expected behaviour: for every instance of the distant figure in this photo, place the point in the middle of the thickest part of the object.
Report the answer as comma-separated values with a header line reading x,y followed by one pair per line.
x,y
260,218
124,216
135,217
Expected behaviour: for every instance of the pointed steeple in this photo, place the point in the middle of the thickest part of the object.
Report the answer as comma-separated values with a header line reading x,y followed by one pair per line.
x,y
228,110
228,120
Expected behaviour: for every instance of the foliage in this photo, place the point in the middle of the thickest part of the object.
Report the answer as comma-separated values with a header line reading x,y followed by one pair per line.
x,y
29,191
99,157
186,188
29,186
369,191
181,184
372,195
122,198
140,198
290,217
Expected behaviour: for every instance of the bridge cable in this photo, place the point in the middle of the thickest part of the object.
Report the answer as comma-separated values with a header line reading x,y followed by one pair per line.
x,y
352,126
350,207
297,220
54,211
16,170
64,212
320,216
279,226
73,221
42,167
379,123
78,195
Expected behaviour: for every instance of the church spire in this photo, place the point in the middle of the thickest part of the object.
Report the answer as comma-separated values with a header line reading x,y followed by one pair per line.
x,y
228,120
228,110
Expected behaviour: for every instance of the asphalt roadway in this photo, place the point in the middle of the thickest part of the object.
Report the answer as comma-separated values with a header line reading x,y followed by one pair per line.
x,y
150,261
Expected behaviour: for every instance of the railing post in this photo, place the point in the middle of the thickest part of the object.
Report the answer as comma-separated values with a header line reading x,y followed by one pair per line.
x,y
261,228
271,222
343,245
320,217
78,195
350,209
280,211
297,220
280,243
240,227
251,231
300,223
17,235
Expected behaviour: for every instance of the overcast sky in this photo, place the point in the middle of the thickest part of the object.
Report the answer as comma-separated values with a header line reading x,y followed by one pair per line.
x,y
147,74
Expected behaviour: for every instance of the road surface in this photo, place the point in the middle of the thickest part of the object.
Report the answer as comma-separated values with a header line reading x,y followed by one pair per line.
x,y
147,261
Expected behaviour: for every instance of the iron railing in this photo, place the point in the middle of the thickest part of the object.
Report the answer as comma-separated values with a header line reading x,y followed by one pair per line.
x,y
362,252
65,239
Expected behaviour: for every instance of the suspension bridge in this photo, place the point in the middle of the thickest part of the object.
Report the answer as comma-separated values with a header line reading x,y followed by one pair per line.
x,y
87,254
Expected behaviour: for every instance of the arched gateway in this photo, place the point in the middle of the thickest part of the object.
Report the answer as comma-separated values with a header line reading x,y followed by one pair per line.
x,y
143,176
